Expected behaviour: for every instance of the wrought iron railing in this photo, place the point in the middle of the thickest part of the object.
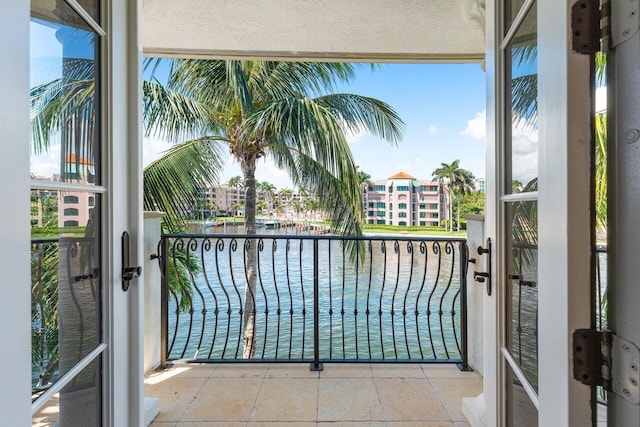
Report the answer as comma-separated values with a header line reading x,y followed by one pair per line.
x,y
314,298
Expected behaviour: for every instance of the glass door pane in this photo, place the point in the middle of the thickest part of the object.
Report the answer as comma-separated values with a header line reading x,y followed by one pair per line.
x,y
520,214
66,224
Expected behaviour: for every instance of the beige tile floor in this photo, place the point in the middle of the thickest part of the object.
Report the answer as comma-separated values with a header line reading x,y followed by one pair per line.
x,y
291,395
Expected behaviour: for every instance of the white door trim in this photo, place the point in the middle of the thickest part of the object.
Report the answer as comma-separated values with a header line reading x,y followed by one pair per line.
x,y
15,311
564,215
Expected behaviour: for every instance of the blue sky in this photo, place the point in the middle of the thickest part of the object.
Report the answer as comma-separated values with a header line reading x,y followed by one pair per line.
x,y
442,105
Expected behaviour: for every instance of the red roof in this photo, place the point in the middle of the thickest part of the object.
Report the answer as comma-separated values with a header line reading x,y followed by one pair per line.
x,y
402,175
71,158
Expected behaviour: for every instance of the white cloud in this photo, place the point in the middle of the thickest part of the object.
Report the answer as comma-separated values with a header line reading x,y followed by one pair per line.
x,y
433,130
524,154
48,163
476,127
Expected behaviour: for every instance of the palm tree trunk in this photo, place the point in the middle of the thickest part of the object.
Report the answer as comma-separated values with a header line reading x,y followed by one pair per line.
x,y
450,211
458,213
248,165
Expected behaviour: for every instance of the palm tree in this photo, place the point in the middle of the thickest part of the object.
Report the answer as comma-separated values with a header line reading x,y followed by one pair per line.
x,y
285,111
462,185
285,195
447,174
269,192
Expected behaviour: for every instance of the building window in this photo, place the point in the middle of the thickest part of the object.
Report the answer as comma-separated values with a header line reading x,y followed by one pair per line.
x,y
402,223
92,201
380,187
390,206
402,215
403,188
434,215
402,206
423,214
70,199
380,213
381,221
370,204
371,213
71,223
390,215
434,206
423,205
380,205
423,188
433,188
71,212
423,223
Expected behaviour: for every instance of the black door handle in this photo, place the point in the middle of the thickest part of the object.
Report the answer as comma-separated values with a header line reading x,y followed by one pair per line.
x,y
484,276
128,272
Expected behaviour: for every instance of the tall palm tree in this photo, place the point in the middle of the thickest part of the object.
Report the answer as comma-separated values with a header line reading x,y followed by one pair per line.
x,y
462,185
285,111
447,174
269,192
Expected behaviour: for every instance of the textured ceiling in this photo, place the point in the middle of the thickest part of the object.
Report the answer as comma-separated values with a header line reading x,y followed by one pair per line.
x,y
382,30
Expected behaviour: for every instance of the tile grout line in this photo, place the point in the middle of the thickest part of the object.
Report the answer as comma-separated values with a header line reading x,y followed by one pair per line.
x,y
191,401
253,406
375,384
440,400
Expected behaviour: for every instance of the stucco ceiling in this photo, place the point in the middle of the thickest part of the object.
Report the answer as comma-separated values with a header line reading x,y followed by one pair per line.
x,y
381,30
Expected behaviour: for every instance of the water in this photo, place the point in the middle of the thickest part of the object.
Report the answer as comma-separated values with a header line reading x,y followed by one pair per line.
x,y
367,308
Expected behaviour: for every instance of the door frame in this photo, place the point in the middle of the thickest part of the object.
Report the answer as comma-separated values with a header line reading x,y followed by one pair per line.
x,y
122,319
564,227
15,304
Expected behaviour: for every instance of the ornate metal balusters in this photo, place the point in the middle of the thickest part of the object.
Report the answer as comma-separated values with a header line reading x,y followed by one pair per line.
x,y
406,294
367,312
274,247
383,248
449,250
396,250
205,248
437,251
192,246
286,262
425,252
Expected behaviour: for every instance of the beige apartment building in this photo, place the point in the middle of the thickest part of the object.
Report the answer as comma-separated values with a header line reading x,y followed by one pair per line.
x,y
404,200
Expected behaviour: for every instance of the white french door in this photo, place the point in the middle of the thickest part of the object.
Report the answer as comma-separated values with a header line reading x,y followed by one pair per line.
x,y
77,67
539,111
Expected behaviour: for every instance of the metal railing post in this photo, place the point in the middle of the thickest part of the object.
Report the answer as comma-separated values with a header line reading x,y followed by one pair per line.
x,y
464,254
316,365
164,301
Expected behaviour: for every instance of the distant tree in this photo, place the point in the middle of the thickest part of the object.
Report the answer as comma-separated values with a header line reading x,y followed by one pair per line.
x,y
453,177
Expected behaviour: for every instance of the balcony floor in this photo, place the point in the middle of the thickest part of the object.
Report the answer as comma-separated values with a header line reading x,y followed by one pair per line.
x,y
290,394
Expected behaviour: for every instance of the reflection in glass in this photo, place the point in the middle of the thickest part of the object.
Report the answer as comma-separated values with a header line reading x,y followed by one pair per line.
x,y
65,282
63,96
511,9
521,412
77,404
522,287
522,107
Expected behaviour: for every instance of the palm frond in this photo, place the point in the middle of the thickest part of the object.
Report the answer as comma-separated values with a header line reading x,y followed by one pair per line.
x,y
173,116
171,182
358,113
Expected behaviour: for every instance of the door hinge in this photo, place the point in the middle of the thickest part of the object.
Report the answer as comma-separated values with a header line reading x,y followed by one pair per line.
x,y
589,25
600,26
601,358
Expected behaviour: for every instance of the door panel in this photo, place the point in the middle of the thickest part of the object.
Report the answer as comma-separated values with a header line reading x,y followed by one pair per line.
x,y
623,317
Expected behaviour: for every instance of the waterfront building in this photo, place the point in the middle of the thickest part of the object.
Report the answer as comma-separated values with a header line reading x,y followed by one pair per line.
x,y
404,200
